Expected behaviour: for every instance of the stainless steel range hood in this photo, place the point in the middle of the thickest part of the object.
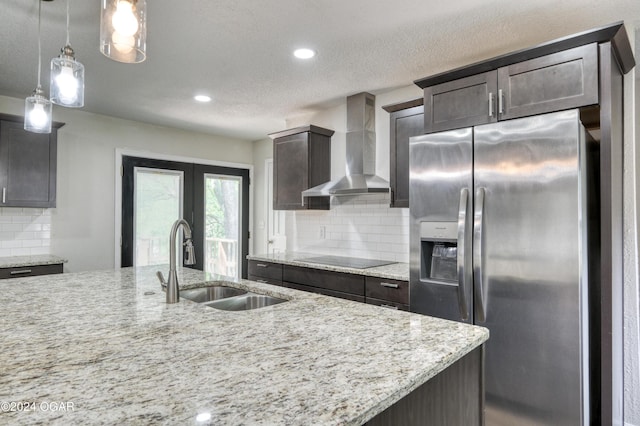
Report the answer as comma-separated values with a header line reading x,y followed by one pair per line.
x,y
360,152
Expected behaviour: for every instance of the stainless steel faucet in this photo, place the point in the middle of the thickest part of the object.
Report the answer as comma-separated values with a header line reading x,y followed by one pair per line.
x,y
173,292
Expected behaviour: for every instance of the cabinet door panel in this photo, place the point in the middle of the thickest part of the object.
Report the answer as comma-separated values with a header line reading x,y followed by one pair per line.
x,y
291,171
460,103
404,125
562,80
330,280
28,166
324,291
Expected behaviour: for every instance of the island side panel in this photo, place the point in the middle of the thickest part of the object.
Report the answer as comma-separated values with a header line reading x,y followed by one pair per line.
x,y
453,397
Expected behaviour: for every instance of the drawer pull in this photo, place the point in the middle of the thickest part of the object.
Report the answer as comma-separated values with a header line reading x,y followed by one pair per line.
x,y
389,307
389,285
23,271
263,281
262,265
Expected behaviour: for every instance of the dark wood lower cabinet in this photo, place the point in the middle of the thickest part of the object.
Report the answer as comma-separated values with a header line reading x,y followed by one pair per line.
x,y
30,271
455,397
328,280
383,292
324,291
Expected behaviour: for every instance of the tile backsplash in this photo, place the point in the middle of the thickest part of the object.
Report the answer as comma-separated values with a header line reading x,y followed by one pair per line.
x,y
359,226
24,231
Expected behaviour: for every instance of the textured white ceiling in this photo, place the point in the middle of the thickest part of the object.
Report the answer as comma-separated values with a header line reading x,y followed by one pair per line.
x,y
239,52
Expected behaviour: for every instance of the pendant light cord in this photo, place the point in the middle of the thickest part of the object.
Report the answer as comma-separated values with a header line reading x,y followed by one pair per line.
x,y
39,42
67,23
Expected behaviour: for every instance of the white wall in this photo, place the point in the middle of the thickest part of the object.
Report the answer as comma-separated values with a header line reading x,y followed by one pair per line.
x,y
83,223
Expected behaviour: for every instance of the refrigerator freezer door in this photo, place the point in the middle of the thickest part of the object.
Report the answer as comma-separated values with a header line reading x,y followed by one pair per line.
x,y
534,284
440,224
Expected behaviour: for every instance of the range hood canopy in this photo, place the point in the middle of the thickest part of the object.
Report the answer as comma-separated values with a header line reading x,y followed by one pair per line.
x,y
360,175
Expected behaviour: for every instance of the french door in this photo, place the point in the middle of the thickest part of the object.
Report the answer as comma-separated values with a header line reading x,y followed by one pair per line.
x,y
214,200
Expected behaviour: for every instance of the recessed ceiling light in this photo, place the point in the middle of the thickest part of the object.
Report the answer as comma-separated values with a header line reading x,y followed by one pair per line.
x,y
304,53
202,98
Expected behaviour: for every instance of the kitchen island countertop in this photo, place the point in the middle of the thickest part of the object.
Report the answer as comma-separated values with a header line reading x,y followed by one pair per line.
x,y
106,343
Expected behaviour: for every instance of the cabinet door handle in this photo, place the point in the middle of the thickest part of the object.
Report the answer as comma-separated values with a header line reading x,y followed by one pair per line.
x,y
23,271
500,102
490,104
389,285
4,195
261,265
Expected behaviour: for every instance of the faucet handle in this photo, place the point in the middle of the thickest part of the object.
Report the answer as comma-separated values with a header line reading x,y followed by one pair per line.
x,y
161,278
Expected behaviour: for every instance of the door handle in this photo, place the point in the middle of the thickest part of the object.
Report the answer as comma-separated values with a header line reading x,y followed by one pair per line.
x,y
4,195
500,102
462,269
478,223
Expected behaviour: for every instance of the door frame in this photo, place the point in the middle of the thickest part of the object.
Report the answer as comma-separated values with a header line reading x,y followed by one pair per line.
x,y
122,152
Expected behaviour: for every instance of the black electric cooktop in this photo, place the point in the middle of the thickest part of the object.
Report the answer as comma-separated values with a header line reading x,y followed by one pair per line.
x,y
347,262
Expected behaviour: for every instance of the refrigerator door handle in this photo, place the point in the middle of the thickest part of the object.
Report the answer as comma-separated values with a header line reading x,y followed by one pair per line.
x,y
478,222
462,269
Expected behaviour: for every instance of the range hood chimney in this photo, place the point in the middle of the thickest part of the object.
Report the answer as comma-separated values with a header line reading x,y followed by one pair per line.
x,y
360,153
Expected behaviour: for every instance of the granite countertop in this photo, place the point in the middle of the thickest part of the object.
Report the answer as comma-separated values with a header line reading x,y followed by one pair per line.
x,y
35,260
107,346
394,271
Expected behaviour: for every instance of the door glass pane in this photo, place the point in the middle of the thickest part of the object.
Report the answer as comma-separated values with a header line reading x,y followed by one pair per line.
x,y
222,224
157,205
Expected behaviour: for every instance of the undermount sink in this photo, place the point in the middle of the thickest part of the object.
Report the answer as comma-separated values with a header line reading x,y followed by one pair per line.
x,y
208,294
245,302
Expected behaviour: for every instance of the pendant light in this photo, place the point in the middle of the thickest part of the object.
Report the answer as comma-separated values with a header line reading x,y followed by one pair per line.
x,y
123,30
37,108
67,76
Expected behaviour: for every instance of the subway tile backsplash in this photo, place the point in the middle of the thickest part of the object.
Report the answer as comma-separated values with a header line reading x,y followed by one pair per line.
x,y
24,232
358,226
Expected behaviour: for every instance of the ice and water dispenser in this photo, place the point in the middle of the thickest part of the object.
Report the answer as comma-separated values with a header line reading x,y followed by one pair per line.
x,y
439,252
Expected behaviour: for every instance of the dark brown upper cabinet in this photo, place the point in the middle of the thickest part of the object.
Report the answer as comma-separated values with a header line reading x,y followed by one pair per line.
x,y
406,120
301,160
561,80
27,164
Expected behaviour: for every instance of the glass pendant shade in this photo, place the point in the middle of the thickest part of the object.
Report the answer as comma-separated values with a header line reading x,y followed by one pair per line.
x,y
37,112
67,80
123,30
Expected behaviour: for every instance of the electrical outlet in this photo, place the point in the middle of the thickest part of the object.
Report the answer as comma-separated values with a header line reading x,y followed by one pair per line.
x,y
322,234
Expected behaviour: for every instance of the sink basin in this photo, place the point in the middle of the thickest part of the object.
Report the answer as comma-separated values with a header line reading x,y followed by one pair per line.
x,y
208,294
245,302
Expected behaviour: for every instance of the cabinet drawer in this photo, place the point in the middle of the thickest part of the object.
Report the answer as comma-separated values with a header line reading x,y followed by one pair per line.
x,y
30,271
330,280
389,290
324,291
264,280
269,270
387,304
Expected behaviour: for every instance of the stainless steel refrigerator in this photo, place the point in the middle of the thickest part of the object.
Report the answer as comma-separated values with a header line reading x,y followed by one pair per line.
x,y
504,235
